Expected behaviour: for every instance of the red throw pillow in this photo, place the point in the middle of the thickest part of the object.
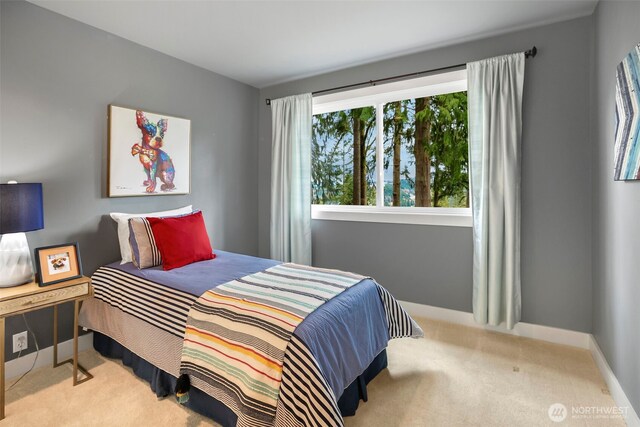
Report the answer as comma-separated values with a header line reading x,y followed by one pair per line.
x,y
181,240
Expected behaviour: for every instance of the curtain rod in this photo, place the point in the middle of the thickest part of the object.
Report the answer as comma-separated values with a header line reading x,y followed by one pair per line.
x,y
527,54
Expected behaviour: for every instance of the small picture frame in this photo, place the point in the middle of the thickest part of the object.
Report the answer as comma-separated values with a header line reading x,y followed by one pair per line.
x,y
58,263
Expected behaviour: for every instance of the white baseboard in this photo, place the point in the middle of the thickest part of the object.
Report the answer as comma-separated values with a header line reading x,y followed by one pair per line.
x,y
19,366
544,333
528,330
615,389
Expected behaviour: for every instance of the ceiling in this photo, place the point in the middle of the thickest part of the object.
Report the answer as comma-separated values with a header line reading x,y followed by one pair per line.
x,y
265,42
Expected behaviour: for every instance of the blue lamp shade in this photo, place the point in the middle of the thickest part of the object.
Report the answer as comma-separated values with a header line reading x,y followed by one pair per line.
x,y
20,208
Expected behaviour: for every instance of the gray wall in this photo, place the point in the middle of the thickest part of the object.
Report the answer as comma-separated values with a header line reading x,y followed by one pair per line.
x,y
57,77
616,208
432,265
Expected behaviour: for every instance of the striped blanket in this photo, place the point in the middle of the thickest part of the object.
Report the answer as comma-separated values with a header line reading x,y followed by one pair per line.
x,y
240,338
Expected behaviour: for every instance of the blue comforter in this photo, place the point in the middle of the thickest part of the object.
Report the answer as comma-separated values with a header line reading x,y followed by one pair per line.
x,y
345,334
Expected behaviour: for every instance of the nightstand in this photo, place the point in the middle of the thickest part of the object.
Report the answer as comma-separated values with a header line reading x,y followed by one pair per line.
x,y
30,297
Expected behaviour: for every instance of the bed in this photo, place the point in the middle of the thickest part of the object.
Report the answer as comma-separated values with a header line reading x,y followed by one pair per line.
x,y
140,317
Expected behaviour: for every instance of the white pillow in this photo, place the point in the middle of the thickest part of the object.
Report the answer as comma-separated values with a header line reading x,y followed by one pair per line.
x,y
122,219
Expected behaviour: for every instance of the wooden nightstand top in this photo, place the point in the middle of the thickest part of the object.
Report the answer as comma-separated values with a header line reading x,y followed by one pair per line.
x,y
31,296
33,288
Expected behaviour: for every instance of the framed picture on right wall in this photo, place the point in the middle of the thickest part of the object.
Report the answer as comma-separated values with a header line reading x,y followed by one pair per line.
x,y
627,146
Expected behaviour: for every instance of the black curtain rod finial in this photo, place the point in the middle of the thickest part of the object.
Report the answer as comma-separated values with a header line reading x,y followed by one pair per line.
x,y
268,101
531,53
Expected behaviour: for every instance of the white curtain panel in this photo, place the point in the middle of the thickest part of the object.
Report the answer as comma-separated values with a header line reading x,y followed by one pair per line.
x,y
495,129
291,179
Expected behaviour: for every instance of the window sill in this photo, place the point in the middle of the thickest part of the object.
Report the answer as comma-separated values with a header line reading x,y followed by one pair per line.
x,y
450,217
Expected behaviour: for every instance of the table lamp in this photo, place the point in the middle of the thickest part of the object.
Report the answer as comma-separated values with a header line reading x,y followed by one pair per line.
x,y
20,211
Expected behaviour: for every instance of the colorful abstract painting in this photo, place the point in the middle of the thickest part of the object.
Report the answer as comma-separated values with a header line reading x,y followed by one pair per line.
x,y
627,148
149,154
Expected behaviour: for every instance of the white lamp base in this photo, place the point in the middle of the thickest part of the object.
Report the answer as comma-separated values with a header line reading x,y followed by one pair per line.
x,y
15,260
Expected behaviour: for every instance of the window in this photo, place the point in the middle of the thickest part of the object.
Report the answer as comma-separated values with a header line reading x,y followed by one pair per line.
x,y
343,157
393,153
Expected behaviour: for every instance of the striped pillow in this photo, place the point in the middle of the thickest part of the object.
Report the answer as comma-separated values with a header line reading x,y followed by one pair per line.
x,y
144,250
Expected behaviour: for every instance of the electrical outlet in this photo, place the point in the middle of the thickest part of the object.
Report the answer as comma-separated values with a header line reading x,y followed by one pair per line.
x,y
20,341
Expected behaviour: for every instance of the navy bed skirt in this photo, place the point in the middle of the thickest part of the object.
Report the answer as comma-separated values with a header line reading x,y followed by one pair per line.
x,y
163,384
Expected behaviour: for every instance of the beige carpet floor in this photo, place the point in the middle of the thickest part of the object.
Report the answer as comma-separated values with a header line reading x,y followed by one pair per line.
x,y
456,376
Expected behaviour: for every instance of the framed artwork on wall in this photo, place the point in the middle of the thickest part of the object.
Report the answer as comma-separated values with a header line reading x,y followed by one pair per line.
x,y
149,153
627,146
58,263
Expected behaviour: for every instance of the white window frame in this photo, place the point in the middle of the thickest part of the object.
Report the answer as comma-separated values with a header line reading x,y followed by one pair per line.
x,y
377,96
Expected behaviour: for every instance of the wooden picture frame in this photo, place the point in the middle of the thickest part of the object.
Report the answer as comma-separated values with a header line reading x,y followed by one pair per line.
x,y
57,263
149,154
